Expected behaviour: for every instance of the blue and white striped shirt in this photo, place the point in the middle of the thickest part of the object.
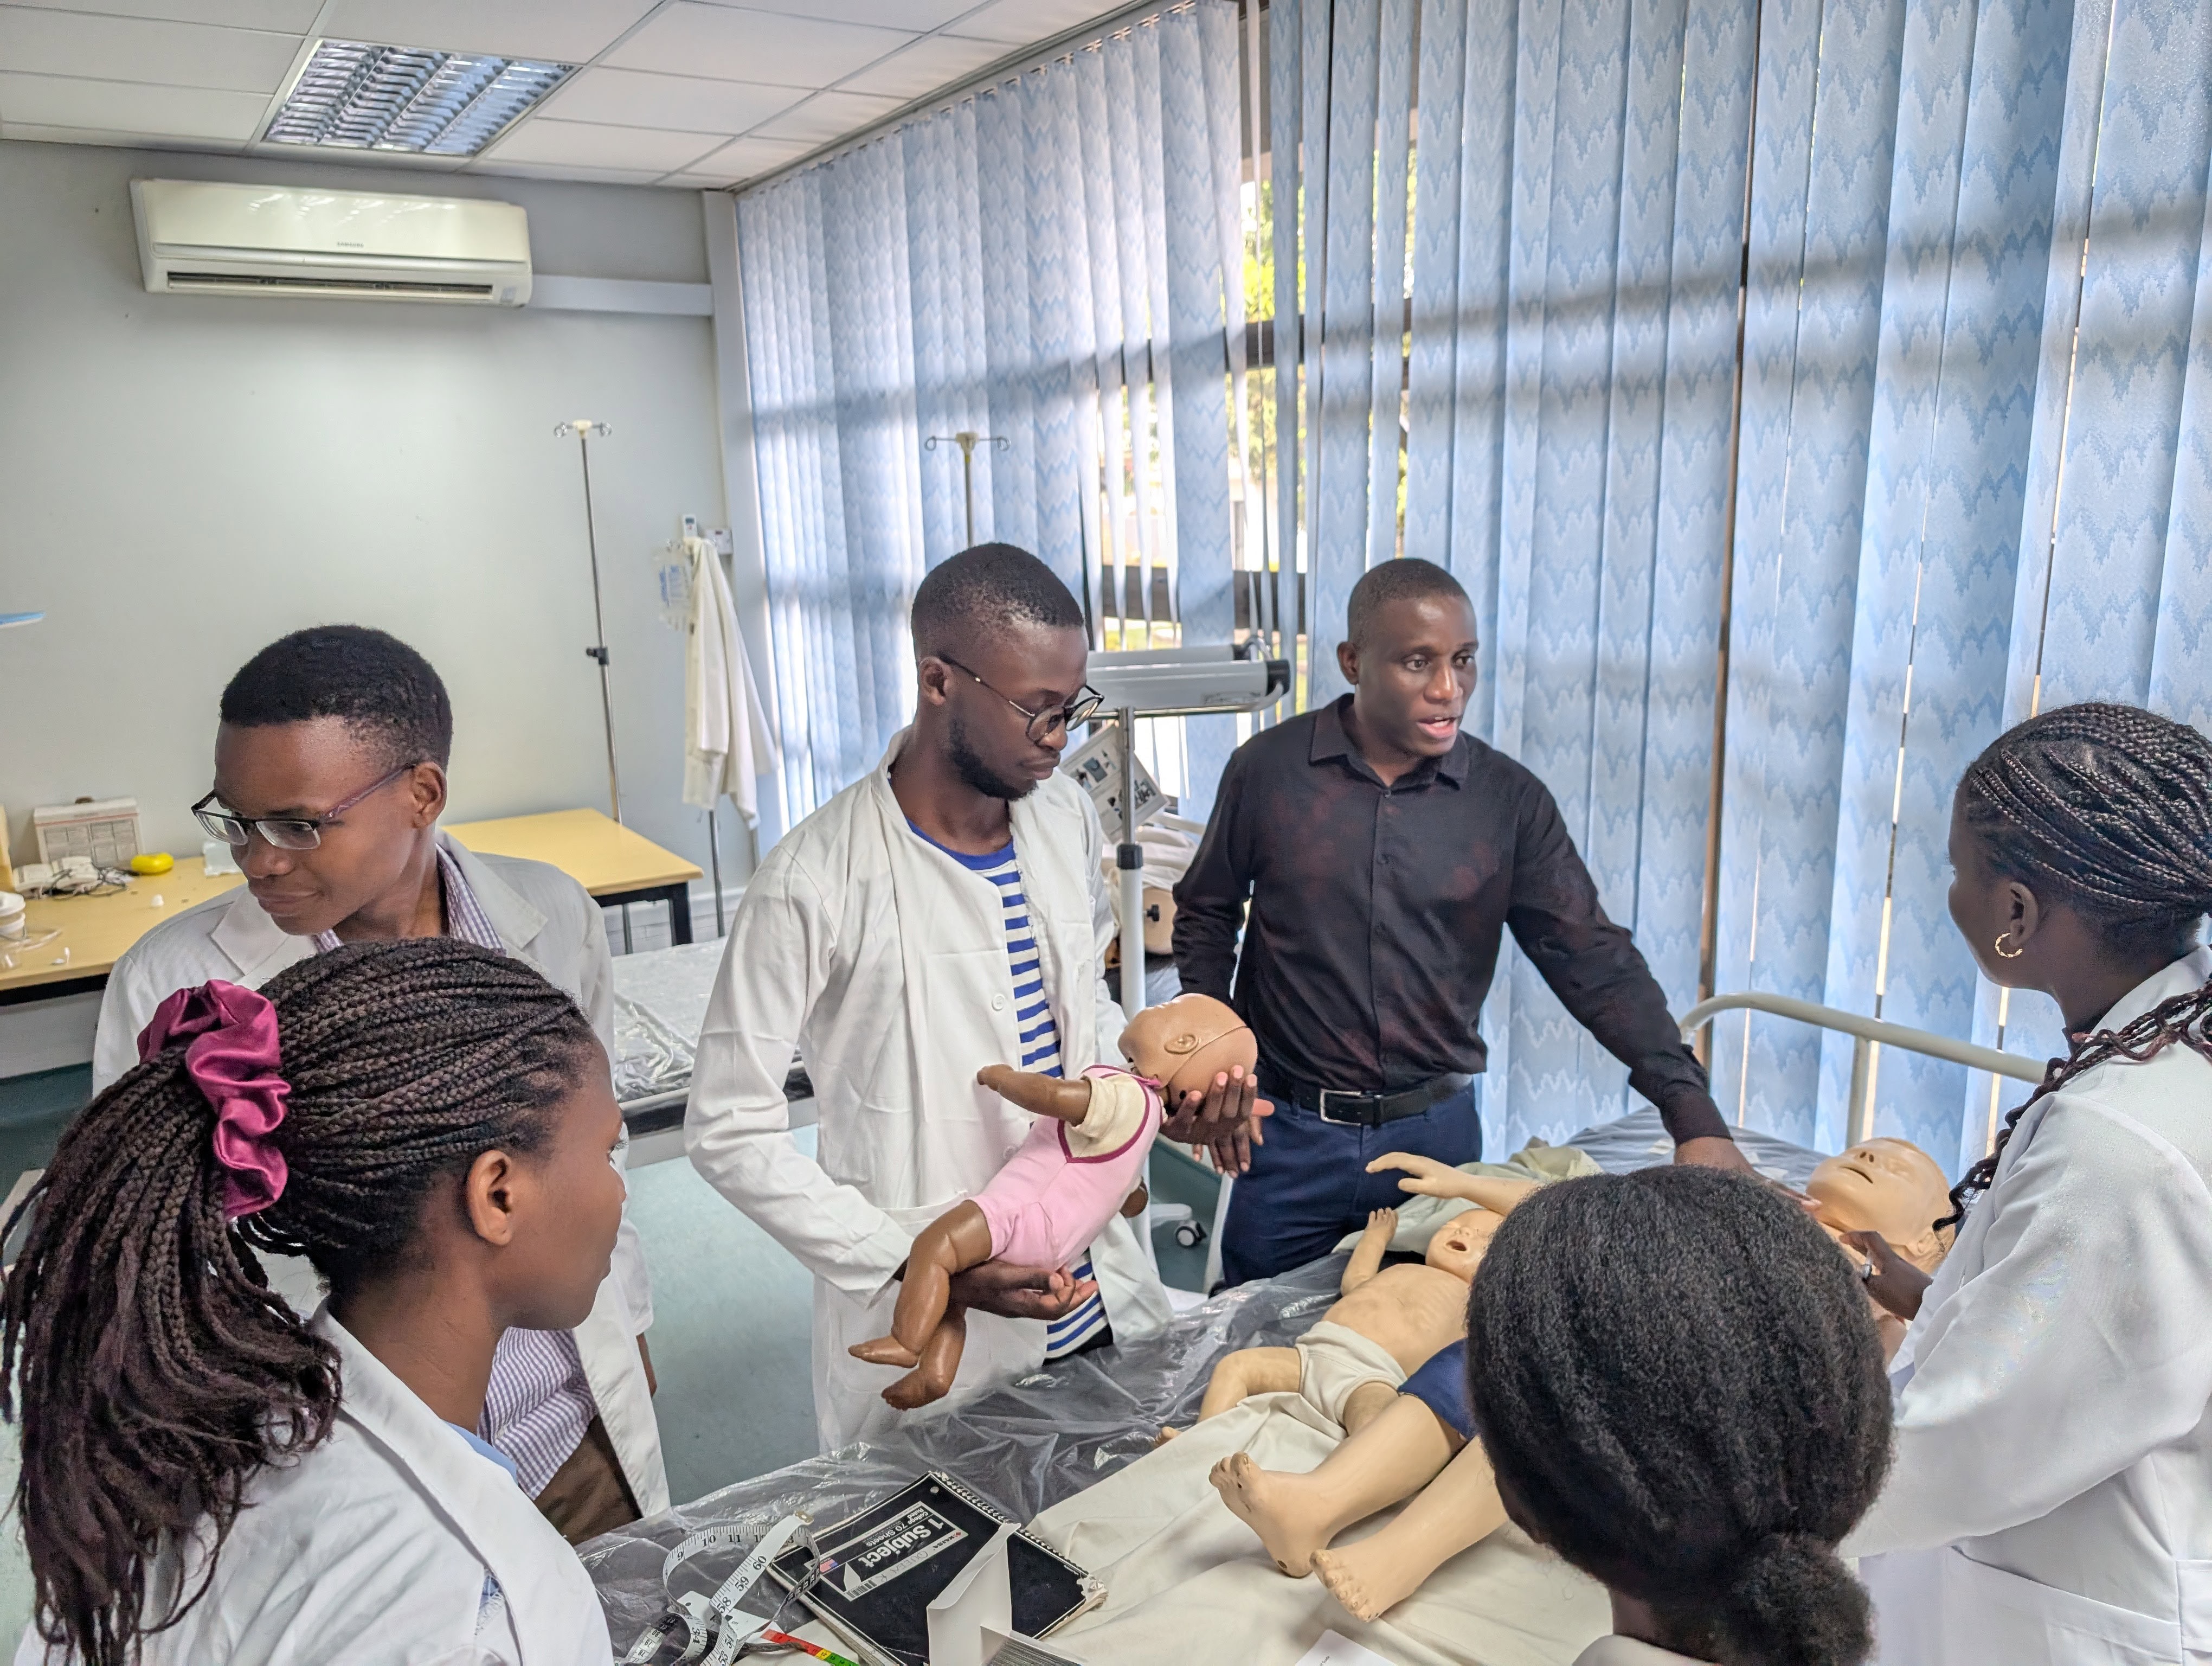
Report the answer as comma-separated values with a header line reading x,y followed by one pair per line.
x,y
1040,1044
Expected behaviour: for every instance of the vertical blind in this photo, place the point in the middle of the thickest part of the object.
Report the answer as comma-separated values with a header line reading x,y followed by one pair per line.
x,y
1051,264
1874,336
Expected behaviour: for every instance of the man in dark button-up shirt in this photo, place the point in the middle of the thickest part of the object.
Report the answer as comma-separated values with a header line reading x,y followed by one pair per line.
x,y
1383,852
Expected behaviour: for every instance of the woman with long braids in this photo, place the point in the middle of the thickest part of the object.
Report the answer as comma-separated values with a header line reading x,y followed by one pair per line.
x,y
206,1476
2051,1495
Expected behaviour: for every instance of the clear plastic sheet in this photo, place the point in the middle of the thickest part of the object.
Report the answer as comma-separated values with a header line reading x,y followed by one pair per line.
x,y
650,1056
1026,1446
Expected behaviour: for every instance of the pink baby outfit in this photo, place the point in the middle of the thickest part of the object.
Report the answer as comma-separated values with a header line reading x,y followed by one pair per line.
x,y
1047,1204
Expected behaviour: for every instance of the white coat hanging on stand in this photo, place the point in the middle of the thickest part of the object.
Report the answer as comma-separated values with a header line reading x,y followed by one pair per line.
x,y
728,742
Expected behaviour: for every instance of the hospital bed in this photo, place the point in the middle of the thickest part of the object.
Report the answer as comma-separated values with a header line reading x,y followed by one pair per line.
x,y
1060,1449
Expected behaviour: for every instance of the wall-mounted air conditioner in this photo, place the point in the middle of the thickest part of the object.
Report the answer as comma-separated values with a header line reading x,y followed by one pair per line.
x,y
197,236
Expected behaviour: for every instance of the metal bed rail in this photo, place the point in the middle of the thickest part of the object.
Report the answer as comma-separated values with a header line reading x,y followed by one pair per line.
x,y
1867,1035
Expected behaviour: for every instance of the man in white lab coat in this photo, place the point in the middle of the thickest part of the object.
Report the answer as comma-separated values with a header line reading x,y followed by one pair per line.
x,y
944,913
330,776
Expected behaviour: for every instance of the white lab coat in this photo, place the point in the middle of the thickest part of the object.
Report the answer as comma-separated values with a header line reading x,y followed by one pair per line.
x,y
2050,1498
373,1550
728,745
543,917
885,960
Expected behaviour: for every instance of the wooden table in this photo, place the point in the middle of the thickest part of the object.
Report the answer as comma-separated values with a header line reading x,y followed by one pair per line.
x,y
609,861
614,864
96,930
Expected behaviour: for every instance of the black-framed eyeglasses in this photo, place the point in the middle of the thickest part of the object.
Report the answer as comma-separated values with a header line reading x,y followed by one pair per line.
x,y
285,832
1081,709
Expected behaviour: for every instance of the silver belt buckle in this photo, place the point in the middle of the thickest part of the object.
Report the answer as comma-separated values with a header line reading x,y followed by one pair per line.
x,y
1322,1109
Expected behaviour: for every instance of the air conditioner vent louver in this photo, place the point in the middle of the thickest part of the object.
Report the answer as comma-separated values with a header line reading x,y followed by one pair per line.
x,y
214,238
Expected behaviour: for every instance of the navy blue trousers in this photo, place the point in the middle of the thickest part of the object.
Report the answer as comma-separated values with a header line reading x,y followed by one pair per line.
x,y
1308,1184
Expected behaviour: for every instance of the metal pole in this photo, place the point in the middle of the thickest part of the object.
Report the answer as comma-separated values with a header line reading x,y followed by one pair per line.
x,y
1129,860
598,650
968,481
714,861
1858,1108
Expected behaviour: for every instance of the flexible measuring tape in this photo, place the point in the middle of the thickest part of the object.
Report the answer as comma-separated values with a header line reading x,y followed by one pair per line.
x,y
705,1615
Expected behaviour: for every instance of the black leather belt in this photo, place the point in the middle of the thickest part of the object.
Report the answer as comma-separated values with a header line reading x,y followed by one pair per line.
x,y
1370,1110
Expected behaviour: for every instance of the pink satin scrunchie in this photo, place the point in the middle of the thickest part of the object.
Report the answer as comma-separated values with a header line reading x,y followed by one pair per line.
x,y
232,1059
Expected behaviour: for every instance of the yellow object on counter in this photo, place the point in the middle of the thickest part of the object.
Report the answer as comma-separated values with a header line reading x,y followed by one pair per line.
x,y
159,862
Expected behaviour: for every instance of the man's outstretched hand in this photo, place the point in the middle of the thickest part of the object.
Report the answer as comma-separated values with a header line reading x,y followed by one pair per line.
x,y
1021,1292
1224,1120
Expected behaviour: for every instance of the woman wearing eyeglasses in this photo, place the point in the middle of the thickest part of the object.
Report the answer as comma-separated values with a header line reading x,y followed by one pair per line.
x,y
330,776
943,912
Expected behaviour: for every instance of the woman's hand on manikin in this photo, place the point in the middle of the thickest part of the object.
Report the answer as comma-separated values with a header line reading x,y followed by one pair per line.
x,y
1895,1283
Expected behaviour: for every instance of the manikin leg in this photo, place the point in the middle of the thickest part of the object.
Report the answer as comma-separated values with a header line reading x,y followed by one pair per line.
x,y
957,1240
1459,1508
1246,1372
1391,1458
932,1379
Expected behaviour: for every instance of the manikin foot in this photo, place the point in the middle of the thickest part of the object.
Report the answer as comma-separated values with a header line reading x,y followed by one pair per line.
x,y
918,1388
886,1351
1365,1582
1290,1526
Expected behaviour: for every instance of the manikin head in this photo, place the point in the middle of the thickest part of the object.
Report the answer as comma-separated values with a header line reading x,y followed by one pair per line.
x,y
1184,1044
1000,651
336,718
1460,1243
1886,1186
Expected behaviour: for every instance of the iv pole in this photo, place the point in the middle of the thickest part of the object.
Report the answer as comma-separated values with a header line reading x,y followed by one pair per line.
x,y
583,427
967,440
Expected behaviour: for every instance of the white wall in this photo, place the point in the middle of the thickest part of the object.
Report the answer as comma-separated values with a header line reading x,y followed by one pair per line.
x,y
185,477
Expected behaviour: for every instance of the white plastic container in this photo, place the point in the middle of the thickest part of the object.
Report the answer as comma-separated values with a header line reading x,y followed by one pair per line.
x,y
12,918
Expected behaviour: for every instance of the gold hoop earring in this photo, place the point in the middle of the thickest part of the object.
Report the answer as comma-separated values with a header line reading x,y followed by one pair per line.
x,y
2004,953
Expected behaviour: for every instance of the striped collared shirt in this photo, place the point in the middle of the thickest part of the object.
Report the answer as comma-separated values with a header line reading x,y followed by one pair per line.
x,y
1039,1034
538,1402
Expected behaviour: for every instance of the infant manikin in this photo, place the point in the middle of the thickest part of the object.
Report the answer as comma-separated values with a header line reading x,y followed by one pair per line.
x,y
1386,1323
1398,1449
1082,1163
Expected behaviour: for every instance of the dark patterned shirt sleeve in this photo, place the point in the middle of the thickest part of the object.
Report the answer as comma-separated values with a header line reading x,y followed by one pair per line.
x,y
1594,967
1210,895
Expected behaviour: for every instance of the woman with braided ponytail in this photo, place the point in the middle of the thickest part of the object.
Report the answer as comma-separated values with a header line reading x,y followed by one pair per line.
x,y
1679,1388
208,1477
2051,1495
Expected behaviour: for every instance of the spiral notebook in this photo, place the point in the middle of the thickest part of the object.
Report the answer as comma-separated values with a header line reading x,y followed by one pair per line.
x,y
886,1565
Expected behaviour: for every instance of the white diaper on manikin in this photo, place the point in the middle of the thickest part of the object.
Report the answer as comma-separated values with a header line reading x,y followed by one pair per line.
x,y
1334,1360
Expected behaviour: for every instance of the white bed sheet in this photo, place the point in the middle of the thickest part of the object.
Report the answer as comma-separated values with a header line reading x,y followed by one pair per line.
x,y
1188,1580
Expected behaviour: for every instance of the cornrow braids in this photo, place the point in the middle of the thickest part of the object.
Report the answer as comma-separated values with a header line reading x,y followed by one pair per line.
x,y
152,1369
1680,1389
2108,810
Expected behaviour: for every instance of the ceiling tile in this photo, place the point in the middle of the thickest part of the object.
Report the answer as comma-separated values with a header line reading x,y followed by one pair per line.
x,y
829,116
634,99
731,43
60,43
30,132
595,144
564,31
924,67
184,112
912,15
604,176
1021,23
747,159
699,181
285,17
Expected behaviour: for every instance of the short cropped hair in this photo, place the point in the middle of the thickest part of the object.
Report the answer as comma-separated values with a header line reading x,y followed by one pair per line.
x,y
1406,578
982,591
368,679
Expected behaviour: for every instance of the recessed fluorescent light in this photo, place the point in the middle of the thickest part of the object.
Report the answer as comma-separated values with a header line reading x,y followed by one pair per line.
x,y
361,97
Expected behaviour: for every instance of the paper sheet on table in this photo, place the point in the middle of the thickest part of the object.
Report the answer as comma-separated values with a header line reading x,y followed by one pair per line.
x,y
1178,1567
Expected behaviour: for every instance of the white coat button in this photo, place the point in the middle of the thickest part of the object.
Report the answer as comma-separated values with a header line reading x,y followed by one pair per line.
x,y
998,1003
1008,1155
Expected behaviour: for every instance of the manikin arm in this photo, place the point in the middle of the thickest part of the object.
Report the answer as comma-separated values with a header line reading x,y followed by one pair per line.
x,y
1041,1095
1430,1179
1367,1254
